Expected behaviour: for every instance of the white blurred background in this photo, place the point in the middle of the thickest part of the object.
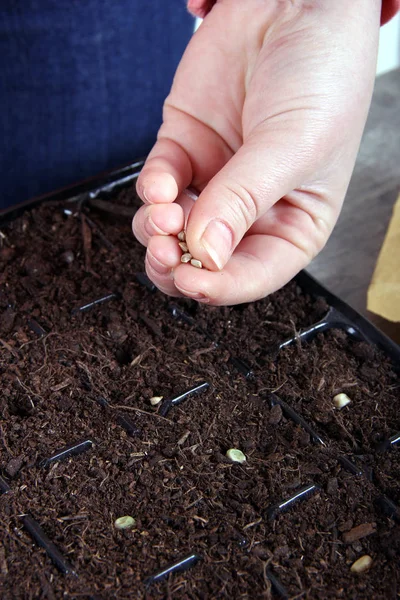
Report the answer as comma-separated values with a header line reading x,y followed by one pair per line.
x,y
389,46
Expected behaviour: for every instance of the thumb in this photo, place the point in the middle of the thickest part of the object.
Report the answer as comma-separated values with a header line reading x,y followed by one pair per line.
x,y
249,184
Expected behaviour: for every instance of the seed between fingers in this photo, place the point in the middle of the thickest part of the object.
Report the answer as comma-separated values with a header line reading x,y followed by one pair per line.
x,y
186,256
196,263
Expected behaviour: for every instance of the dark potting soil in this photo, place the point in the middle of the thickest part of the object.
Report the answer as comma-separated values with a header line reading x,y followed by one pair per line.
x,y
80,374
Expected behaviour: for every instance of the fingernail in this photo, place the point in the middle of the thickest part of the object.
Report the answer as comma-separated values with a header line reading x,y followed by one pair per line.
x,y
194,295
144,194
151,228
217,241
156,265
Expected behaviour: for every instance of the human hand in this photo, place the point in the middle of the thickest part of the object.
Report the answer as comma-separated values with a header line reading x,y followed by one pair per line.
x,y
265,118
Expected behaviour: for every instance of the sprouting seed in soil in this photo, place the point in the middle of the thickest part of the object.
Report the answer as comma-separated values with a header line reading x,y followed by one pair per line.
x,y
183,246
126,522
341,400
187,257
154,400
182,236
196,263
362,564
236,455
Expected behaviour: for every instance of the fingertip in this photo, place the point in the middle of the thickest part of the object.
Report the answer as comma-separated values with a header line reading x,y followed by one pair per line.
x,y
157,187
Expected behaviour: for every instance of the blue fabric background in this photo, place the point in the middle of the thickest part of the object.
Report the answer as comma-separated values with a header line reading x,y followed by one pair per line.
x,y
82,84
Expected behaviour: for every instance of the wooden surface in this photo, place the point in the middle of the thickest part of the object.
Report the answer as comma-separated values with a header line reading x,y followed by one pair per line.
x,y
347,263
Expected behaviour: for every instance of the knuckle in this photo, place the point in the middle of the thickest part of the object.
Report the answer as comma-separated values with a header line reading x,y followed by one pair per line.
x,y
244,204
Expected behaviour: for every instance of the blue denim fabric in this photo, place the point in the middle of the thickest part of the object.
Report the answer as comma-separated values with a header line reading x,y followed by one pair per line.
x,y
82,84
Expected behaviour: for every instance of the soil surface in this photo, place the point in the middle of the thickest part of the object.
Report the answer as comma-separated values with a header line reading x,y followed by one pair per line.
x,y
85,344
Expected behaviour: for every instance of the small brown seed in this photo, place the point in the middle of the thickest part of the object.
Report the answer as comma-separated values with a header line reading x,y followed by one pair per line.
x,y
182,236
185,258
196,263
183,246
362,564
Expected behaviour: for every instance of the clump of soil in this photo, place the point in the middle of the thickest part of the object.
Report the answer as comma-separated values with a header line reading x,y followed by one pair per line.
x,y
85,345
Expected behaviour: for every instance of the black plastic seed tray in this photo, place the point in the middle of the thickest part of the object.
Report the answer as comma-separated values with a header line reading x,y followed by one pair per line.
x,y
339,317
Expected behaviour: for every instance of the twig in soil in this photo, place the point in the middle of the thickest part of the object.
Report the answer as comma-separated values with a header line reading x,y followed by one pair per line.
x,y
389,443
349,466
9,348
292,414
82,516
144,412
359,532
87,242
4,487
170,402
46,587
112,208
29,391
152,325
146,282
36,328
126,423
302,494
51,549
60,386
252,524
113,296
99,232
66,452
187,562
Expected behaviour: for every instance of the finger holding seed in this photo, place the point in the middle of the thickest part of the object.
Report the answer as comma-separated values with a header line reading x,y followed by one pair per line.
x,y
161,219
162,257
186,256
157,219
